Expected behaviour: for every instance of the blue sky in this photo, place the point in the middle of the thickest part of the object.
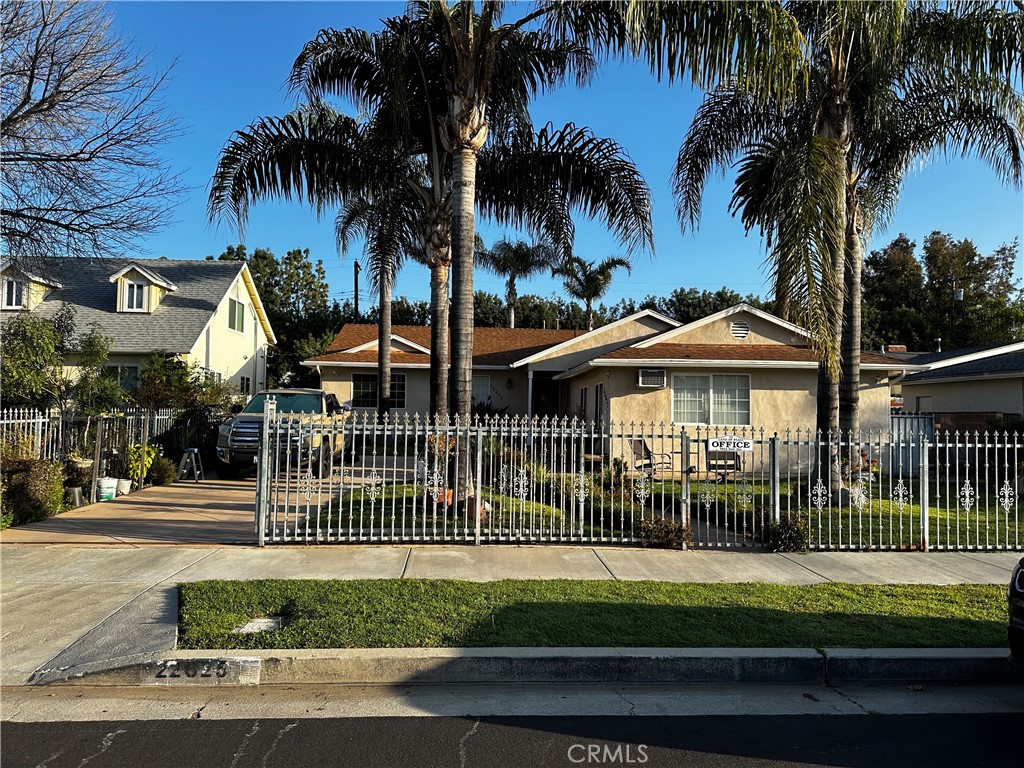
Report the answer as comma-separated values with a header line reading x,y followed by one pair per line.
x,y
232,61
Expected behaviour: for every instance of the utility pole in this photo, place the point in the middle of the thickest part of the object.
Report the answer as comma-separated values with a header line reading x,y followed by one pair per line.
x,y
355,287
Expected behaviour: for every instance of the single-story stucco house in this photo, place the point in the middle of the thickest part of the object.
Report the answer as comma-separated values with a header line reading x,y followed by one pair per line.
x,y
967,388
738,368
206,313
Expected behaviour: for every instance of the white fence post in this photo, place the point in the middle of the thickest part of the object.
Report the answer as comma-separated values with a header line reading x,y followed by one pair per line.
x,y
263,471
479,505
925,496
773,468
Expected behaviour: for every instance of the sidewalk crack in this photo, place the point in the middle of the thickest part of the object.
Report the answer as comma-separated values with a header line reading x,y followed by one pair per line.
x,y
601,560
805,567
405,566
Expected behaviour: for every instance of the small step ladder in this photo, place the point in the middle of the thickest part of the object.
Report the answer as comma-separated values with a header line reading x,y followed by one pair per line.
x,y
191,462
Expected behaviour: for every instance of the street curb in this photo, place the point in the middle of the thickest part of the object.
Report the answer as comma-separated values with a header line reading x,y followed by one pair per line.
x,y
410,666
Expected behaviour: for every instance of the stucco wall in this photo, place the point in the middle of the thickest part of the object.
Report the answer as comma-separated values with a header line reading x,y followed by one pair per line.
x,y
417,398
602,340
417,387
233,354
719,332
993,396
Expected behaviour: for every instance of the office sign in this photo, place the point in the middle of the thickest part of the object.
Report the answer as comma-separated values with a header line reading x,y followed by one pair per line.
x,y
730,443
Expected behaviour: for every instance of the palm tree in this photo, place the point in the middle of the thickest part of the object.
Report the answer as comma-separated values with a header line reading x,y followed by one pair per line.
x,y
482,56
588,282
329,159
402,181
516,261
887,85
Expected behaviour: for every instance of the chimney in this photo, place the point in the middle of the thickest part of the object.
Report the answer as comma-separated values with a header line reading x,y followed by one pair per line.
x,y
896,348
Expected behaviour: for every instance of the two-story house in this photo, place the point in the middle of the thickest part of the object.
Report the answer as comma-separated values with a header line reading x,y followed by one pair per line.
x,y
206,313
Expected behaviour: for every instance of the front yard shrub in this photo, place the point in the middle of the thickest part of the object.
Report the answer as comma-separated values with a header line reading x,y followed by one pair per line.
x,y
33,492
162,472
790,534
665,534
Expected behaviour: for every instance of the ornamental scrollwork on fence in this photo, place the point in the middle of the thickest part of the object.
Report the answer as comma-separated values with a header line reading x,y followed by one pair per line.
x,y
375,486
503,480
308,485
967,497
707,497
521,484
580,487
435,483
819,495
1006,497
900,496
744,498
642,488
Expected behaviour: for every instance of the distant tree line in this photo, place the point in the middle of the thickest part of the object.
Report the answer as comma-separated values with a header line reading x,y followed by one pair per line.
x,y
949,291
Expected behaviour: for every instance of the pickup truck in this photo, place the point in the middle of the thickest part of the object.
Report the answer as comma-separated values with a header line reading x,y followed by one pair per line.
x,y
238,438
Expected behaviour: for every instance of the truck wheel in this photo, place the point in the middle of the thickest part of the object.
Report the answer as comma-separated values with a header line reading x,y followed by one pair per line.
x,y
321,465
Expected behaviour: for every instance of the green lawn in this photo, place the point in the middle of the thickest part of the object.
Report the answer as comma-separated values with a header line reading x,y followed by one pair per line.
x,y
422,613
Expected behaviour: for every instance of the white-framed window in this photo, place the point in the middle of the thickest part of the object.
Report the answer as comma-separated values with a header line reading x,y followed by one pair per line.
x,y
127,376
245,385
134,297
481,390
583,403
364,390
236,316
14,293
711,399
599,404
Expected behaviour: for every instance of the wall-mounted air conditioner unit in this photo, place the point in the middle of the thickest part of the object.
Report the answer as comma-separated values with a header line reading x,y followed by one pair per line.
x,y
651,377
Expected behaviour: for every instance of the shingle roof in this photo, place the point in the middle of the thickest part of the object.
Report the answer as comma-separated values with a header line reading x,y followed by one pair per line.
x,y
927,358
752,352
1006,363
174,326
491,346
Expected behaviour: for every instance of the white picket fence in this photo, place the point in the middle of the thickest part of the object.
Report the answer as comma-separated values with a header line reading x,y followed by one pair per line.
x,y
54,435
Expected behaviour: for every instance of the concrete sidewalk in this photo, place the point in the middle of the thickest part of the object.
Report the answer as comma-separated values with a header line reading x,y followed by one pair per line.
x,y
213,512
69,607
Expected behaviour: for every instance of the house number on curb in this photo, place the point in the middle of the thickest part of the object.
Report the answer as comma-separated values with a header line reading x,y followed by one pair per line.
x,y
201,671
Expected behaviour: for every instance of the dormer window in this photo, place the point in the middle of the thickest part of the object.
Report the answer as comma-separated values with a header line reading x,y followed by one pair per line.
x,y
14,294
135,297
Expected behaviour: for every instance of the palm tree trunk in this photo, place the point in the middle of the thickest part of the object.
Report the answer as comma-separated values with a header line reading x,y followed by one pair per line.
x,y
849,388
590,315
384,350
463,232
439,352
510,297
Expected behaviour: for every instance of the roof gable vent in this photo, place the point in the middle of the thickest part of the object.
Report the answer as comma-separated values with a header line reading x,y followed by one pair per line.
x,y
739,329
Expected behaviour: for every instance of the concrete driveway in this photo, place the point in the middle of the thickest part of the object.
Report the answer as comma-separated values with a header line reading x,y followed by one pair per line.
x,y
209,512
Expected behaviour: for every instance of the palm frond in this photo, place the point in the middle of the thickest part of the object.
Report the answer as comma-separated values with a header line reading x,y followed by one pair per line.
x,y
727,121
311,154
540,182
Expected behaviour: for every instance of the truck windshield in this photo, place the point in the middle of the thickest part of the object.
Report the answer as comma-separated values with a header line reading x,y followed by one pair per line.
x,y
287,402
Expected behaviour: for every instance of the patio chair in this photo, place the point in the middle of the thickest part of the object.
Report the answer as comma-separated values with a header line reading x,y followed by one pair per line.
x,y
646,461
723,463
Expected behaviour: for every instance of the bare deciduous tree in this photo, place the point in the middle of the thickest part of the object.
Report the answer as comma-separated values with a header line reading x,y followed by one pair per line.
x,y
82,122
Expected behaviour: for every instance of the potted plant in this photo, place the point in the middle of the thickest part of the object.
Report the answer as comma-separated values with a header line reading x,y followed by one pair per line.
x,y
139,463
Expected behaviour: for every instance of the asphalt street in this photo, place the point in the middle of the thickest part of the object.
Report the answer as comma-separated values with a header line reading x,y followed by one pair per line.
x,y
868,741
